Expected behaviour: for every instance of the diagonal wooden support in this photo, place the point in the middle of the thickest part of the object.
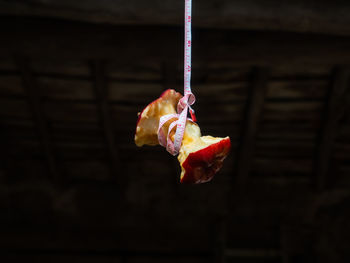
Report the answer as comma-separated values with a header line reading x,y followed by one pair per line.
x,y
100,83
31,87
253,113
334,109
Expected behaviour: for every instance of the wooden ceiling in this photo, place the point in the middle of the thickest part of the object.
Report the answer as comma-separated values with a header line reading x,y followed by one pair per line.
x,y
317,16
74,187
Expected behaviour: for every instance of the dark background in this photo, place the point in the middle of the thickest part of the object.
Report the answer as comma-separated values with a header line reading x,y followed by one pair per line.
x,y
272,75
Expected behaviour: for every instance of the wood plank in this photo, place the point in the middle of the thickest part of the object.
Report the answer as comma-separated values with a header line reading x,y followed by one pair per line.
x,y
297,89
71,111
70,89
98,72
254,109
334,109
62,88
282,165
305,16
139,70
31,87
136,45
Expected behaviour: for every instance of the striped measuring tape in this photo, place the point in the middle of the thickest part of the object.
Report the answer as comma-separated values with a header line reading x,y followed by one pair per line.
x,y
187,100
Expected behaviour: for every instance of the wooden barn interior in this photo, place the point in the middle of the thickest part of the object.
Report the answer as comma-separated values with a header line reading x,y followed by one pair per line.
x,y
272,75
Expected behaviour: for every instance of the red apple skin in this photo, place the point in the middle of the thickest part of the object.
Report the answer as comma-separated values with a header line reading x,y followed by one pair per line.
x,y
201,166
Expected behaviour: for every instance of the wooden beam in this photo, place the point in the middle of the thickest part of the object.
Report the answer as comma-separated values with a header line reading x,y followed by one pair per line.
x,y
253,113
100,84
303,16
64,41
31,88
336,103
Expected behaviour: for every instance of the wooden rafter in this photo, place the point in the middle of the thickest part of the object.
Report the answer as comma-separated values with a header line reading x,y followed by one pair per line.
x,y
31,87
253,115
210,45
305,16
100,83
334,109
